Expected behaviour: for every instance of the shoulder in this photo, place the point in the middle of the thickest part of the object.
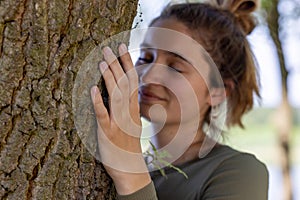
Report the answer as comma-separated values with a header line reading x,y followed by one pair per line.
x,y
240,161
239,176
224,156
245,162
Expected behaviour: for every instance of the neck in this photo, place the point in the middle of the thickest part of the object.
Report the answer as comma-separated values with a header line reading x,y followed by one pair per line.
x,y
182,142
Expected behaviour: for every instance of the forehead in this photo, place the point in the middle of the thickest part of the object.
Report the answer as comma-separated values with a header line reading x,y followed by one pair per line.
x,y
145,46
173,24
173,37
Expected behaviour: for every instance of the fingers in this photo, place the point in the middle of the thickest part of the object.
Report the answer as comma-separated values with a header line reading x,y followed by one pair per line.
x,y
99,108
116,69
109,80
132,76
121,83
116,98
126,78
129,68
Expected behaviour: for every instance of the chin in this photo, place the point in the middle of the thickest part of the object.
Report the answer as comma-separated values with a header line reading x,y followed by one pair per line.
x,y
159,119
152,119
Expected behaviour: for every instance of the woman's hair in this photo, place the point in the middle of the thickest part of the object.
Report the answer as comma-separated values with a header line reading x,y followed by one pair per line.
x,y
222,32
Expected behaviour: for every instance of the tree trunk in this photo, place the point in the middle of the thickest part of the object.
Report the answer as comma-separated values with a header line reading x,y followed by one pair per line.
x,y
42,45
283,114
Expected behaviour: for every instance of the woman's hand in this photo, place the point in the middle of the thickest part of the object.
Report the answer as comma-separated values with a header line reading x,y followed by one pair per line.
x,y
119,130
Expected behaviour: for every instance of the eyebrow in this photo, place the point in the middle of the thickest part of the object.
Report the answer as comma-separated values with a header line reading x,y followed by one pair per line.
x,y
148,46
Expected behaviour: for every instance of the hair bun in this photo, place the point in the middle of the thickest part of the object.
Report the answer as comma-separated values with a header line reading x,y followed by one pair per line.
x,y
242,9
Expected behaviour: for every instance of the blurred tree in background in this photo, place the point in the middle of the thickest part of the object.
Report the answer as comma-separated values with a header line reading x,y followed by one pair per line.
x,y
283,116
42,45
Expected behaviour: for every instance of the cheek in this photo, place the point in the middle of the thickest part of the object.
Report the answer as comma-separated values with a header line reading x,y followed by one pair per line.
x,y
185,98
191,96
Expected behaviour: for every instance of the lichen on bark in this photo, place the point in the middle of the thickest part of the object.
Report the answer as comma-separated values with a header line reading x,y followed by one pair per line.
x,y
42,46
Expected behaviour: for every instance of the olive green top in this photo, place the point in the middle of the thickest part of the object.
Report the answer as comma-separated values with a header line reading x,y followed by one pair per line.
x,y
224,174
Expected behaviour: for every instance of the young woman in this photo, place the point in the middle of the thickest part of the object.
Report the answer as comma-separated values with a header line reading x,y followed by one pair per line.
x,y
176,87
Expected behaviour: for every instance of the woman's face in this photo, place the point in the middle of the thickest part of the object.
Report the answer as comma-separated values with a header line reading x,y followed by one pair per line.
x,y
172,89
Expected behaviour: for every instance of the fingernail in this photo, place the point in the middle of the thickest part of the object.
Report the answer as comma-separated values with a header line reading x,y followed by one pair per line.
x,y
122,49
107,51
103,66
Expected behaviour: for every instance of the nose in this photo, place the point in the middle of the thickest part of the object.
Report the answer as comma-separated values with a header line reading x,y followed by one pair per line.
x,y
151,73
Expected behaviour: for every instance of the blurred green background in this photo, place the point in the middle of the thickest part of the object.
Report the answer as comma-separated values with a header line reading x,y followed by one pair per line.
x,y
259,136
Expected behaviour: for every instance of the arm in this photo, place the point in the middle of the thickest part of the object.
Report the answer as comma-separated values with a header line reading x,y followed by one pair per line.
x,y
241,177
146,193
119,130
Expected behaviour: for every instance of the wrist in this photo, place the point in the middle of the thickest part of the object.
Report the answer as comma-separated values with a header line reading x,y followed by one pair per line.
x,y
128,183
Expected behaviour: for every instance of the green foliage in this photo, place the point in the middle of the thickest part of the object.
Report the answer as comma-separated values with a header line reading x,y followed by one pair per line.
x,y
267,4
157,159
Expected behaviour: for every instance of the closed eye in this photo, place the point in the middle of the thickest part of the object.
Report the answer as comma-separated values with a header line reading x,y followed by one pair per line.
x,y
144,60
174,67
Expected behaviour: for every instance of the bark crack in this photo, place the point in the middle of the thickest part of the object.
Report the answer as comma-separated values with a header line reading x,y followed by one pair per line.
x,y
35,171
31,181
2,28
56,180
5,188
9,133
19,84
47,151
8,190
62,37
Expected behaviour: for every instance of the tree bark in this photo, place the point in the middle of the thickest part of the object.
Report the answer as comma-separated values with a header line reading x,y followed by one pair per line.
x,y
283,115
42,45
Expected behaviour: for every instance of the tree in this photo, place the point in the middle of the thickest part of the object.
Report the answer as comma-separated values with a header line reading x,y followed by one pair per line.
x,y
42,44
284,111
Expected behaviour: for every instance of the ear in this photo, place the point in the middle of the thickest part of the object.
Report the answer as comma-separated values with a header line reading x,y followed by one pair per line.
x,y
218,95
229,86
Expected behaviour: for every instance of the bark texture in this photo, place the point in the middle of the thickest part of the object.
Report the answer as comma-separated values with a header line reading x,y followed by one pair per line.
x,y
42,45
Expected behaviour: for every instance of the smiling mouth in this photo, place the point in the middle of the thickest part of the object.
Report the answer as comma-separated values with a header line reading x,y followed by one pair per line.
x,y
149,96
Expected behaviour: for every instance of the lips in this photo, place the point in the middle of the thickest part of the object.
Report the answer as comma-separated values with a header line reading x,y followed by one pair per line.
x,y
148,95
